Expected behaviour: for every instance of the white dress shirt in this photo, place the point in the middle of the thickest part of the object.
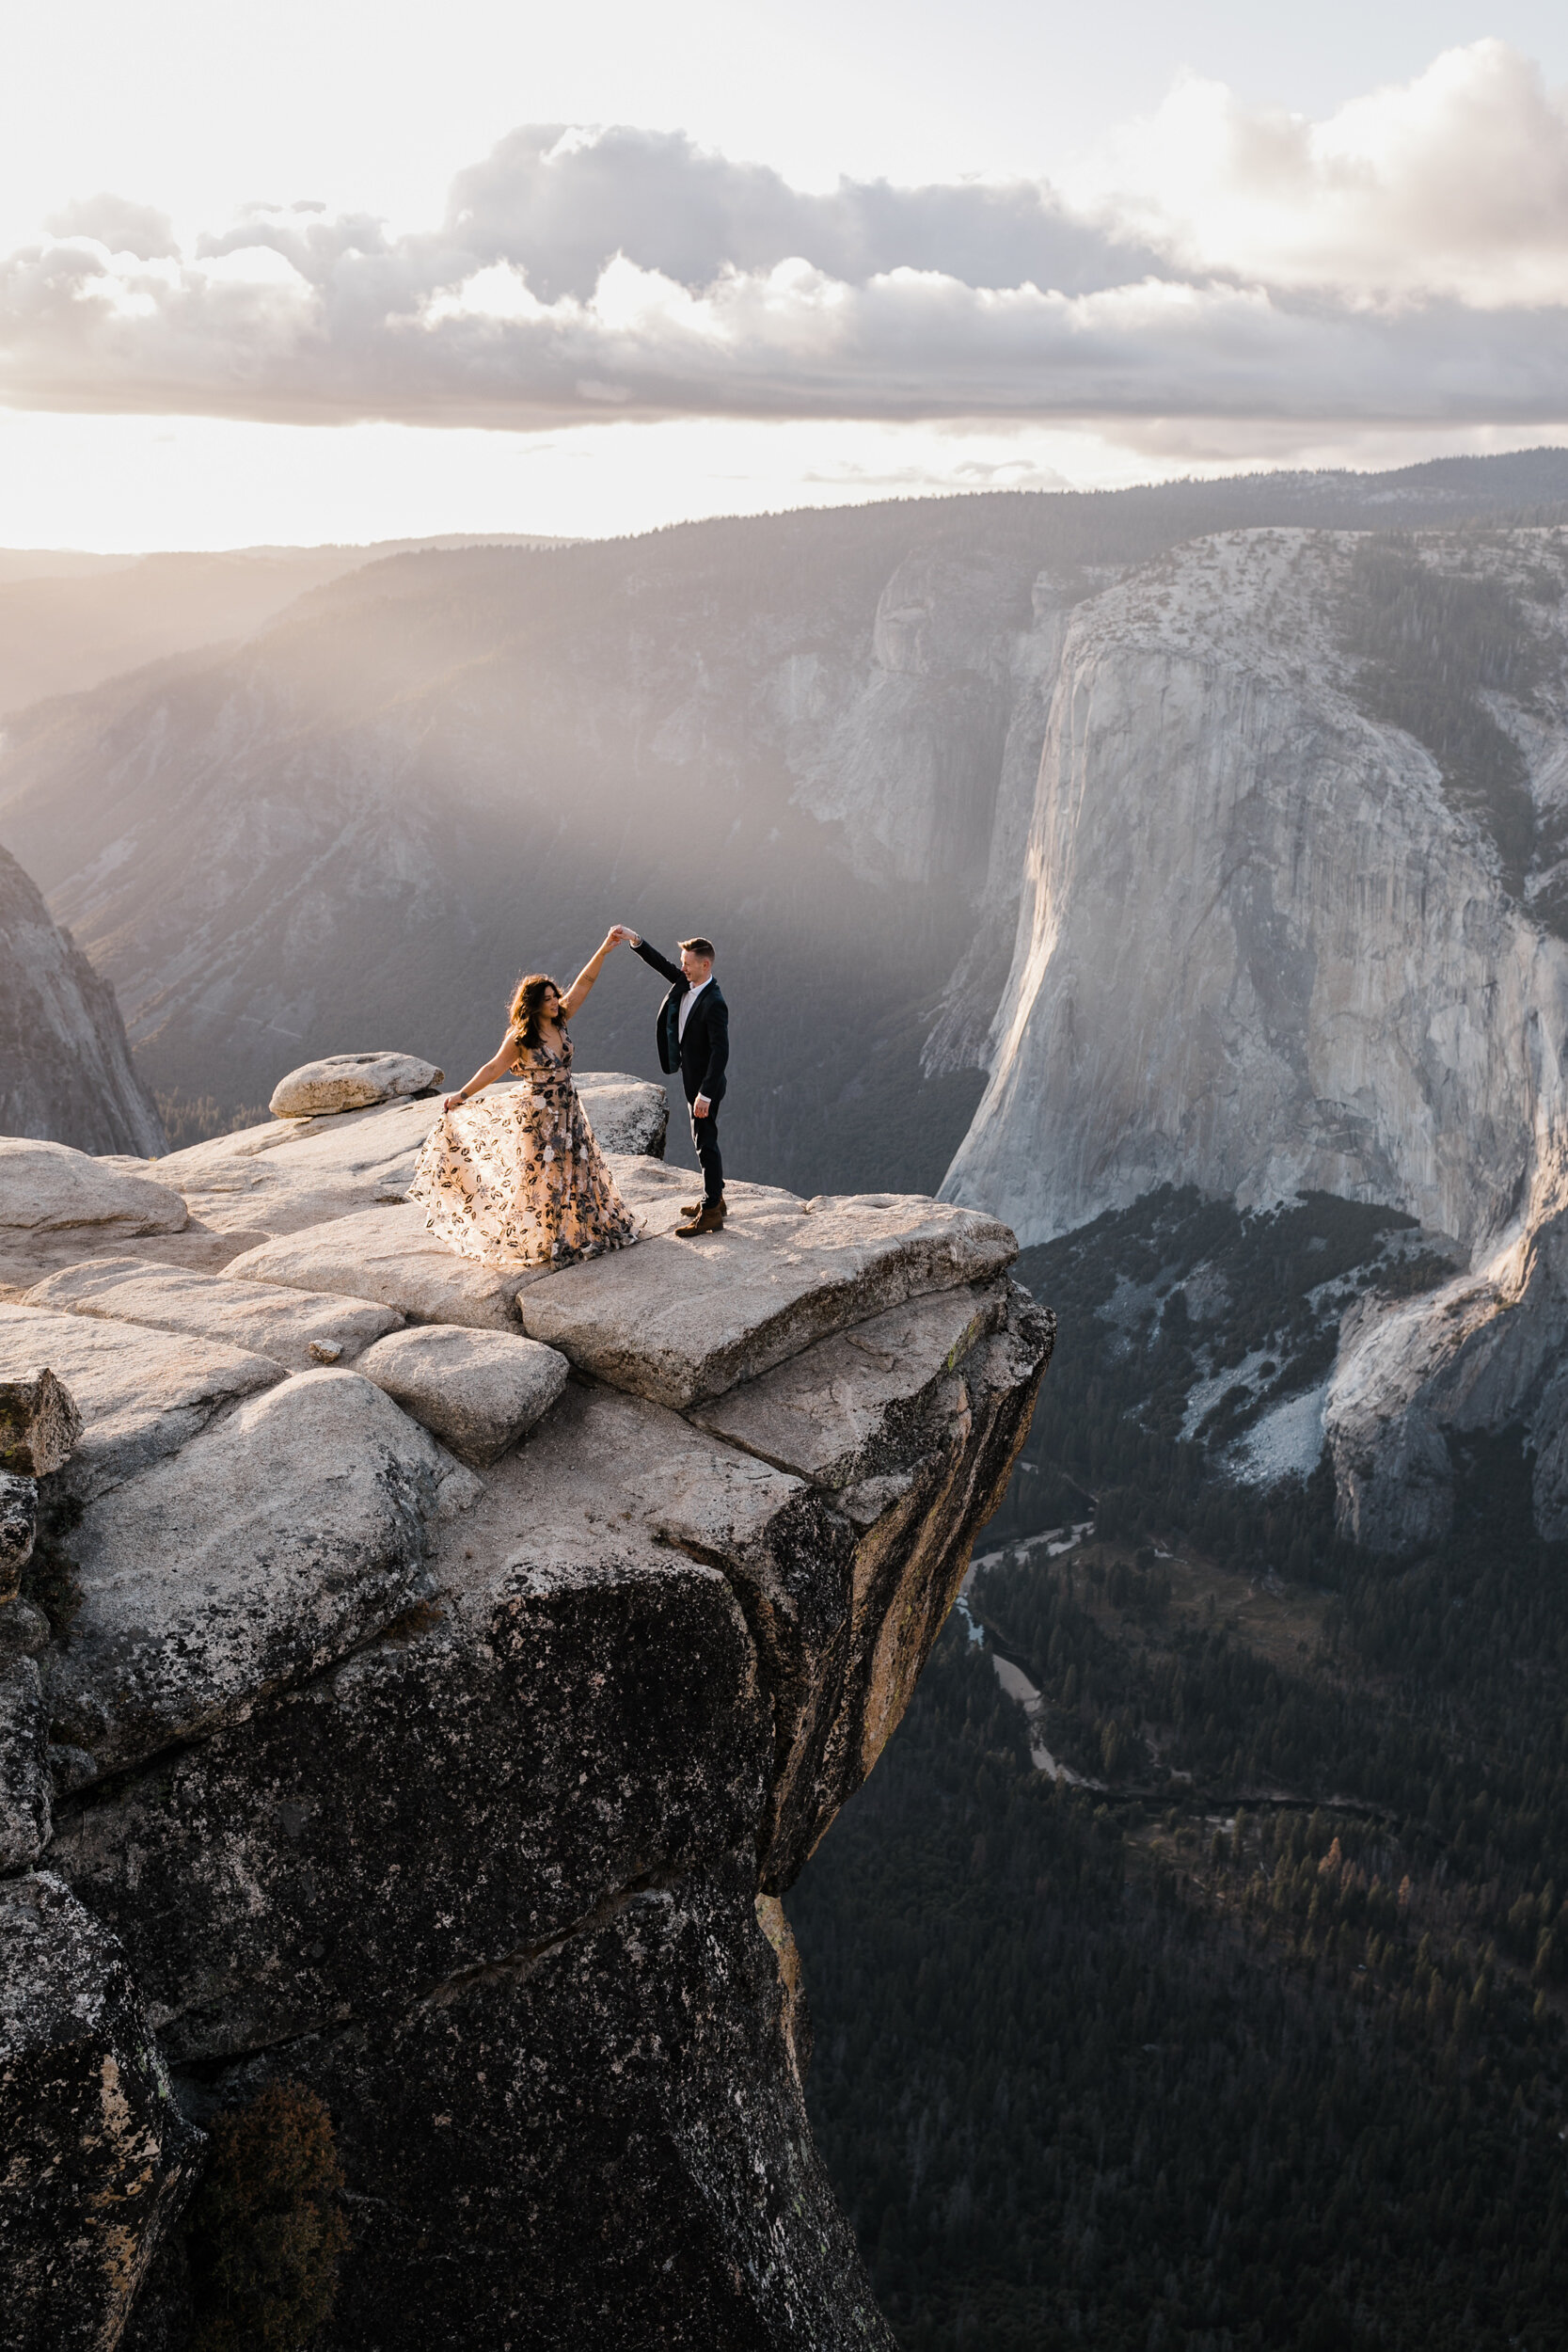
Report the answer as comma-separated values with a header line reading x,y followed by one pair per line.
x,y
687,1002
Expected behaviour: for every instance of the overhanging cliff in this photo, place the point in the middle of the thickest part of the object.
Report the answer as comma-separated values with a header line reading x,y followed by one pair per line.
x,y
454,1791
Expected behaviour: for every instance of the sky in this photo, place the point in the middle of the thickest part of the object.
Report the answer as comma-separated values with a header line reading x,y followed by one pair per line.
x,y
343,273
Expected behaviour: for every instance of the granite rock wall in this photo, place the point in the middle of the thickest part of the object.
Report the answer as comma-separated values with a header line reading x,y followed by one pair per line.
x,y
461,1796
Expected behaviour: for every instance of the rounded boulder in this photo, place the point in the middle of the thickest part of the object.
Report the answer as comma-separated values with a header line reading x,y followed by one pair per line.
x,y
478,1391
48,1191
351,1081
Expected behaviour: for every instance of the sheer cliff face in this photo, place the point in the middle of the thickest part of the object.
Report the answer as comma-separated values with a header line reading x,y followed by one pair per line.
x,y
1262,946
459,1795
1270,940
65,1068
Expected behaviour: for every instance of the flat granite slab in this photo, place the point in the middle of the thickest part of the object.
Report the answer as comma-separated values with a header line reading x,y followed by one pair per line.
x,y
824,1415
142,1394
681,1321
292,1173
288,1174
388,1255
299,1328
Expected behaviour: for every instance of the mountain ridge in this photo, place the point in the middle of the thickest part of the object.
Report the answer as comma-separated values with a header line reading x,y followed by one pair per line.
x,y
446,765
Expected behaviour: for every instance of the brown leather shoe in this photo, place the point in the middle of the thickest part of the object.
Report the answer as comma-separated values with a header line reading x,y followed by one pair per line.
x,y
708,1220
695,1208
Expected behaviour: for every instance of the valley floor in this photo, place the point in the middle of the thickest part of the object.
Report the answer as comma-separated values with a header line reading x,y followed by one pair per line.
x,y
1258,2038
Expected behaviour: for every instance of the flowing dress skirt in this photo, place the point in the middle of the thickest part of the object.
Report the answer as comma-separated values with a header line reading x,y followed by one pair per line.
x,y
515,1178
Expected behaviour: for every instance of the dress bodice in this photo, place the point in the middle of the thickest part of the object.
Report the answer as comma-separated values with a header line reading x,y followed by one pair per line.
x,y
541,1068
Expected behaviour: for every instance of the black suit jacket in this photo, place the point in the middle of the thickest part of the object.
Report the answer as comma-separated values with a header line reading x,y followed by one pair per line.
x,y
703,1054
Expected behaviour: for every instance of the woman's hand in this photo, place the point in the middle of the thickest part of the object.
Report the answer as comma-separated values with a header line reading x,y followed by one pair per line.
x,y
452,1101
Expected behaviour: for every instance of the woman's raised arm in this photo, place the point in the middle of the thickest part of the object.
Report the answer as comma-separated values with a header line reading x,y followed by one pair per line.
x,y
576,995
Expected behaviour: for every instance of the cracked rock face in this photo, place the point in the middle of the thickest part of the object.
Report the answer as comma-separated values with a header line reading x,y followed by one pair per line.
x,y
40,1421
452,1793
65,1066
25,1824
252,1557
19,1518
94,2152
602,2143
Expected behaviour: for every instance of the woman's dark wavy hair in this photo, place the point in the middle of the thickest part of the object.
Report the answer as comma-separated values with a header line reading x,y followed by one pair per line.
x,y
528,998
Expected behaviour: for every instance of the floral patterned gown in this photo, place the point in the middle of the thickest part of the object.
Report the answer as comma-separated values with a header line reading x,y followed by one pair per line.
x,y
515,1177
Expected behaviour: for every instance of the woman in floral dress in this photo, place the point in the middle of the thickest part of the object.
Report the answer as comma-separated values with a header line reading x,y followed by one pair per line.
x,y
519,1179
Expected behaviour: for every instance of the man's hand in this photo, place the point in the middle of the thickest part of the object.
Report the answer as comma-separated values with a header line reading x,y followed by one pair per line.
x,y
700,1107
619,932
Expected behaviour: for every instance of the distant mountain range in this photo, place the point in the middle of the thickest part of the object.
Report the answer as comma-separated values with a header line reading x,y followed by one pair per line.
x,y
817,735
69,621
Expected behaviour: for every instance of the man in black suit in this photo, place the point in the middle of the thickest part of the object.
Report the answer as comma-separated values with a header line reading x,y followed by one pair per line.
x,y
694,1038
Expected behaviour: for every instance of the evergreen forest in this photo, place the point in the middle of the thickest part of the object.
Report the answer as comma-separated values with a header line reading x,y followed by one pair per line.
x,y
1240,2020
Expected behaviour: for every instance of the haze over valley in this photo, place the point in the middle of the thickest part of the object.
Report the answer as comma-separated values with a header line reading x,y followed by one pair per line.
x,y
444,766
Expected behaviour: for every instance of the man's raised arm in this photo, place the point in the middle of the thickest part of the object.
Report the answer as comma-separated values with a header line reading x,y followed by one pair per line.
x,y
650,955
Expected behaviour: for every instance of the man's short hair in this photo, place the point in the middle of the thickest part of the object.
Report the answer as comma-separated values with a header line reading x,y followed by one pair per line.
x,y
699,947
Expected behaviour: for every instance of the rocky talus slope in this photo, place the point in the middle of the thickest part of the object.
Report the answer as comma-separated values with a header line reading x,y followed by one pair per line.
x,y
416,1686
1273,941
65,1066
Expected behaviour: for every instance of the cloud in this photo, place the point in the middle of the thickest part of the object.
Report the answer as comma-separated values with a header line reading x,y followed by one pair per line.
x,y
1452,185
1406,260
118,226
563,203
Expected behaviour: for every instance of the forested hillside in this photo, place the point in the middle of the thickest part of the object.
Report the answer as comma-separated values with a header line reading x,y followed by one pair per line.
x,y
1256,2035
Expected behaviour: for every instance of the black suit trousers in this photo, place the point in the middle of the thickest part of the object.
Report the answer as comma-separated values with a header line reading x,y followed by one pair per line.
x,y
705,1135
